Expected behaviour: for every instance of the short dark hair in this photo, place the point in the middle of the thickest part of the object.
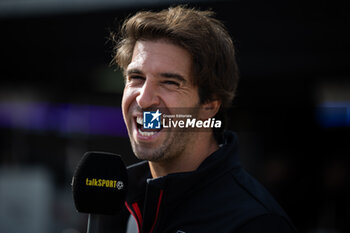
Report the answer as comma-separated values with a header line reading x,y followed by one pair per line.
x,y
214,70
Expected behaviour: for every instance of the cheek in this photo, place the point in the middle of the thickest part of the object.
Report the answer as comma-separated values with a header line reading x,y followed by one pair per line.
x,y
127,100
181,100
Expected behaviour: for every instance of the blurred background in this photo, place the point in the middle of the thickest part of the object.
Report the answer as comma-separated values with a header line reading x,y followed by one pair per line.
x,y
60,97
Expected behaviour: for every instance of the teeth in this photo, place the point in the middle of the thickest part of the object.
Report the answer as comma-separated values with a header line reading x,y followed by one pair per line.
x,y
147,133
139,120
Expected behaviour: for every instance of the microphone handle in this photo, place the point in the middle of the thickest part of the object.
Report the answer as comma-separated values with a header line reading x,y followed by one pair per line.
x,y
93,223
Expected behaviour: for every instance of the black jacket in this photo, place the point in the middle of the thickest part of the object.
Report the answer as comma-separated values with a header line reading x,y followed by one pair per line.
x,y
220,197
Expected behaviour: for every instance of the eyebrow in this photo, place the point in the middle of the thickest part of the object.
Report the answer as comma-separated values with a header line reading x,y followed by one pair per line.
x,y
176,76
133,71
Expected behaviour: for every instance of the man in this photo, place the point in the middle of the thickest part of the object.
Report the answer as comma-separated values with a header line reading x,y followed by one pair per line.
x,y
191,181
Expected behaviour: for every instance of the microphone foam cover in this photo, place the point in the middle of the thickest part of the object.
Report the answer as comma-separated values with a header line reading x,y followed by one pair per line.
x,y
100,183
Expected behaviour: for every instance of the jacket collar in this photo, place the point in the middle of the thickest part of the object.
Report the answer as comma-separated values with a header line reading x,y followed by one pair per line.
x,y
178,184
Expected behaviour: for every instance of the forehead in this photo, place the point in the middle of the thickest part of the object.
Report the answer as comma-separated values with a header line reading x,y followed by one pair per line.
x,y
160,56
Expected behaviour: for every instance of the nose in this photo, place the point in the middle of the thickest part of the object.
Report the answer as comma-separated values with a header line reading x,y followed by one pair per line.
x,y
148,96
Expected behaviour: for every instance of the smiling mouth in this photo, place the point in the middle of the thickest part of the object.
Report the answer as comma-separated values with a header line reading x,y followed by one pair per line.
x,y
145,132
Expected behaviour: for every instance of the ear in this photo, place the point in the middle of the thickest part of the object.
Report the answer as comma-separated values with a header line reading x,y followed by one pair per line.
x,y
209,109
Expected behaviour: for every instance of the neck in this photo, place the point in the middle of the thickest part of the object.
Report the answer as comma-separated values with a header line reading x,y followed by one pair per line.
x,y
189,160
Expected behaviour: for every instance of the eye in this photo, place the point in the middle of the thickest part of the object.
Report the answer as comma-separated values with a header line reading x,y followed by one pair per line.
x,y
135,79
170,82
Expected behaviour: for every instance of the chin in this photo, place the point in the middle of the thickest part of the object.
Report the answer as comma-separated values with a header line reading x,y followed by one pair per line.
x,y
148,154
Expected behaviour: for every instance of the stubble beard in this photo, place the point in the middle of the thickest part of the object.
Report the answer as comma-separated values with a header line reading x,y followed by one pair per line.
x,y
174,145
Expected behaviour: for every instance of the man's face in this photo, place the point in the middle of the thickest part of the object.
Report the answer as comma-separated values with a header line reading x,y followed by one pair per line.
x,y
158,76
